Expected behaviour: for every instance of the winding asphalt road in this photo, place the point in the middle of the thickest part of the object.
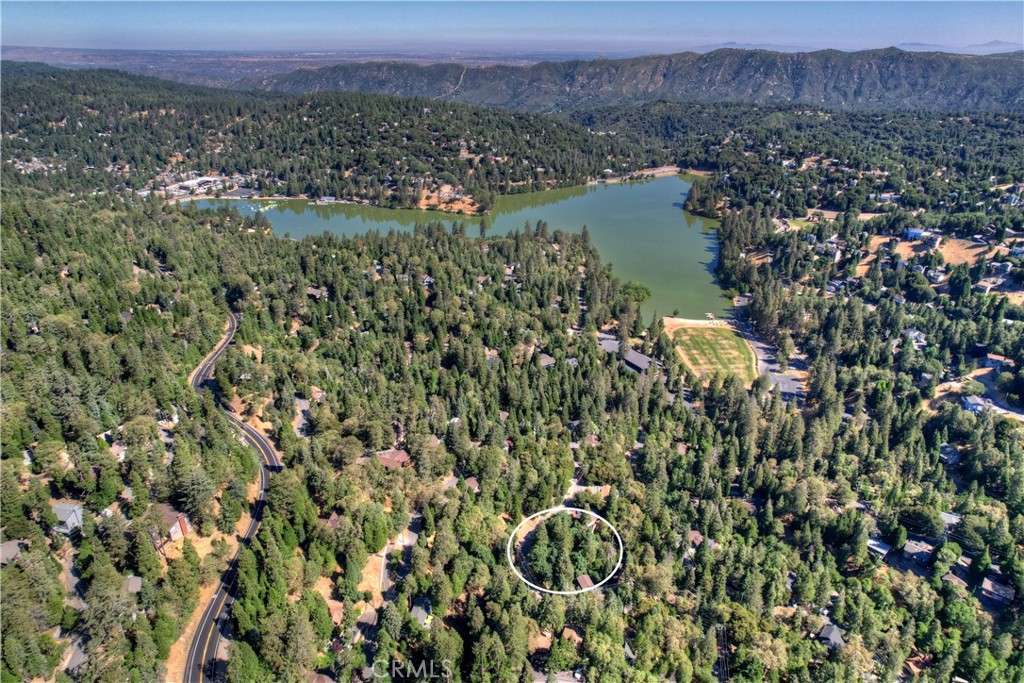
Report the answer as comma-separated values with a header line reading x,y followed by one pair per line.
x,y
200,666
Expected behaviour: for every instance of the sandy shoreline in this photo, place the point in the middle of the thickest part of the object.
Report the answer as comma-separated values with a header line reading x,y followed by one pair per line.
x,y
677,323
658,172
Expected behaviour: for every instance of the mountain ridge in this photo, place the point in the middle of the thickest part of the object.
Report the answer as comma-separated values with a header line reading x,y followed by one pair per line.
x,y
871,79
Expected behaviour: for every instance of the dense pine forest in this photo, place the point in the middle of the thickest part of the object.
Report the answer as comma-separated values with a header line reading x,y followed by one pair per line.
x,y
427,391
106,130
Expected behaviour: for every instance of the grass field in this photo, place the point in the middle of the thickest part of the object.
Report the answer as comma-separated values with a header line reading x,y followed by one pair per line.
x,y
708,349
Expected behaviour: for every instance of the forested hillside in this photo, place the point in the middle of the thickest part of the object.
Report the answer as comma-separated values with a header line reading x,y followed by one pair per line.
x,y
427,391
871,79
106,129
791,159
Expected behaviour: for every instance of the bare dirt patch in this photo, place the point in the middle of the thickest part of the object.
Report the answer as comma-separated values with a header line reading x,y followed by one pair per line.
x,y
254,351
448,200
370,581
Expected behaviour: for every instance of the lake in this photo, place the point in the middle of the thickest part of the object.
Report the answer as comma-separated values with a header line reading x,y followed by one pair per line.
x,y
640,228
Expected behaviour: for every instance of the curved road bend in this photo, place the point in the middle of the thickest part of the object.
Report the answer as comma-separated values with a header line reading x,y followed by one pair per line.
x,y
209,632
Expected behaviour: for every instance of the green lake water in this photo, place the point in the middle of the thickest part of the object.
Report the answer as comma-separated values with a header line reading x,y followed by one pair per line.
x,y
640,228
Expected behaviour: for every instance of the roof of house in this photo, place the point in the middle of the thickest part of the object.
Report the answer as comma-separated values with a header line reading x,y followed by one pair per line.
x,y
393,458
316,292
333,521
546,361
832,635
637,360
168,515
998,590
569,633
877,545
609,345
420,611
132,583
950,518
473,484
585,581
974,400
369,616
952,578
9,551
68,512
914,547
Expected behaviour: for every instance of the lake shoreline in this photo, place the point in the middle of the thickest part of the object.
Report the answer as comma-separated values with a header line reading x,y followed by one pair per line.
x,y
640,228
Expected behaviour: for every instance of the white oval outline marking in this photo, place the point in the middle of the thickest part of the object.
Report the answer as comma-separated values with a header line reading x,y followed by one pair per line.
x,y
556,510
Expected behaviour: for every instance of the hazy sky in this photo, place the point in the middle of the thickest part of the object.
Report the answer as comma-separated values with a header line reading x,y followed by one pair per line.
x,y
591,26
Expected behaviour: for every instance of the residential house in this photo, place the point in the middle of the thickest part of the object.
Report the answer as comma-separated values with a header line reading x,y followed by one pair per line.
x,y
986,286
878,547
394,458
584,581
176,523
950,519
949,455
831,636
637,361
316,292
473,484
421,611
919,552
974,404
10,550
546,361
332,522
916,337
69,517
994,360
913,232
132,584
955,580
997,592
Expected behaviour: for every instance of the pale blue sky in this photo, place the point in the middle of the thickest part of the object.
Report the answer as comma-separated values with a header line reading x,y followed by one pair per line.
x,y
503,26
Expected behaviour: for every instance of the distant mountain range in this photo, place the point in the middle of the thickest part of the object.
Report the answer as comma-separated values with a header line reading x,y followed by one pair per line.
x,y
918,76
871,79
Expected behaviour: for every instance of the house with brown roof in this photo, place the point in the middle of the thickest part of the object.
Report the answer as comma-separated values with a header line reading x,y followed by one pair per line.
x,y
584,581
331,522
394,458
176,524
